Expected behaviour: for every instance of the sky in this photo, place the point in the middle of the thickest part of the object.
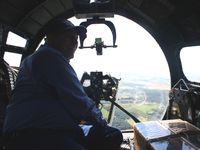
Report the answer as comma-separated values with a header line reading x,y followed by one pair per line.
x,y
136,52
190,61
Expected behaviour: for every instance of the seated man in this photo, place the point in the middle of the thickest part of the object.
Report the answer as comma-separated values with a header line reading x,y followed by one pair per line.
x,y
49,109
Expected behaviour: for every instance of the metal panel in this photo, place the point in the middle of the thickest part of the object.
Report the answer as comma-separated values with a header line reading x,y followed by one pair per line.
x,y
55,7
66,3
29,26
9,14
42,16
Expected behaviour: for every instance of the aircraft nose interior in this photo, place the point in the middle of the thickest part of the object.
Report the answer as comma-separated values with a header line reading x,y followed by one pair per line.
x,y
173,24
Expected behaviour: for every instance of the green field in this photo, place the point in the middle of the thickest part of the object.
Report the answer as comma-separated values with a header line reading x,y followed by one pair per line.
x,y
122,120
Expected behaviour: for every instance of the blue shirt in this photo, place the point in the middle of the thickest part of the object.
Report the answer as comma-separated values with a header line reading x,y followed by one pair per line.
x,y
48,94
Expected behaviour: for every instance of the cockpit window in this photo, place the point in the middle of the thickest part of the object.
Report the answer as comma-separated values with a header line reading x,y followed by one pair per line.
x,y
13,59
138,63
190,62
15,40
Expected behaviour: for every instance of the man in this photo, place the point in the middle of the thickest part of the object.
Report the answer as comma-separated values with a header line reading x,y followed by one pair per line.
x,y
49,109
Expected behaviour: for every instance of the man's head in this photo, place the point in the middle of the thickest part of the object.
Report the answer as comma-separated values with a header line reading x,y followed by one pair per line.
x,y
63,35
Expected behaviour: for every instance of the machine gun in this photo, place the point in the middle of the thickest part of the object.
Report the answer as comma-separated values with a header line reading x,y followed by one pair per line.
x,y
185,102
99,86
103,87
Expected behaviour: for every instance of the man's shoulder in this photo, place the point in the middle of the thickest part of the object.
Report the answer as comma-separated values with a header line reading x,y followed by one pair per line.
x,y
47,52
49,56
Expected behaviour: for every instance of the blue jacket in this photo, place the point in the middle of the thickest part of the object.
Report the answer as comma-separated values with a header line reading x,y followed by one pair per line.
x,y
48,94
